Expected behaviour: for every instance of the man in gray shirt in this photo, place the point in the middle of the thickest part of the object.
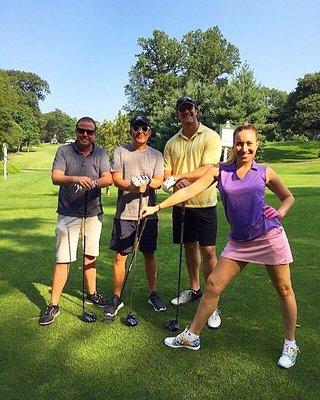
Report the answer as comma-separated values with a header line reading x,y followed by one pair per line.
x,y
131,162
78,167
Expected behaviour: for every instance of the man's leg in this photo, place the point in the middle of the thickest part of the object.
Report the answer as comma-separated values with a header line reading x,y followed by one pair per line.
x,y
209,260
90,274
119,271
151,271
59,279
193,261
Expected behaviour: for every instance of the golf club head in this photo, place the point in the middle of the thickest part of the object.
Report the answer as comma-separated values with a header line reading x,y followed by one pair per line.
x,y
131,320
108,319
88,316
172,325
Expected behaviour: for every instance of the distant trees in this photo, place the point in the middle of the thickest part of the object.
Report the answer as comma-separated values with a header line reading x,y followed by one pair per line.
x,y
21,121
57,124
301,113
20,115
114,133
207,67
203,65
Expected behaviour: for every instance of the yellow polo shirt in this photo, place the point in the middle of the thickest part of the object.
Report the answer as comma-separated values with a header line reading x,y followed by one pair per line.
x,y
182,155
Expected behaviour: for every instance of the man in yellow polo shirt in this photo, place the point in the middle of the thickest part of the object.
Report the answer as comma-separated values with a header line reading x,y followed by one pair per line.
x,y
187,156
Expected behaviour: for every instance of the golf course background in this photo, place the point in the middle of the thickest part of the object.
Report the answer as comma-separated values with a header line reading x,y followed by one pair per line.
x,y
73,360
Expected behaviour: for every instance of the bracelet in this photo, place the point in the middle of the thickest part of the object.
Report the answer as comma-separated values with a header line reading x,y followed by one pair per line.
x,y
159,208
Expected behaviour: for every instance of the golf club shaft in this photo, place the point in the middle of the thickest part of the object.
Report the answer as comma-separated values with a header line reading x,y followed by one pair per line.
x,y
135,246
183,212
134,260
84,245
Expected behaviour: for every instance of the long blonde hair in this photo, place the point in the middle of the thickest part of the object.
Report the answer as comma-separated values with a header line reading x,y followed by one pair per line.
x,y
245,126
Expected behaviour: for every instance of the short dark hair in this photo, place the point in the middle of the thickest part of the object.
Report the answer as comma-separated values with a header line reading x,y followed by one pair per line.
x,y
87,119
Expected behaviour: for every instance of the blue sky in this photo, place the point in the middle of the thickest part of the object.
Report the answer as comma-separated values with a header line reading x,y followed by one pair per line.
x,y
85,49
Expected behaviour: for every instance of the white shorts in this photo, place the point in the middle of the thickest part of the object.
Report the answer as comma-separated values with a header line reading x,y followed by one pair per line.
x,y
67,234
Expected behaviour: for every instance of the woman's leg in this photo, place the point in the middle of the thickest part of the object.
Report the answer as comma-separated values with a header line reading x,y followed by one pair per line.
x,y
224,272
280,278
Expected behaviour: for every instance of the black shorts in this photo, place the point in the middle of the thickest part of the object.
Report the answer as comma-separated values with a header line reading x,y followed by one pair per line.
x,y
123,233
200,225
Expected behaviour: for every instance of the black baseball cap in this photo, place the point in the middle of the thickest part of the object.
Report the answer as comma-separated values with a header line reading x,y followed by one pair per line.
x,y
185,100
139,120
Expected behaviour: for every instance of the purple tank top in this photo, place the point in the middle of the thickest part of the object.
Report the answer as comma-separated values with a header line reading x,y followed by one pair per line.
x,y
243,200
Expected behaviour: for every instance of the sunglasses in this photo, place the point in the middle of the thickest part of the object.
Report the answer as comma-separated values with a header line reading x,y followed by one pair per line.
x,y
137,128
89,132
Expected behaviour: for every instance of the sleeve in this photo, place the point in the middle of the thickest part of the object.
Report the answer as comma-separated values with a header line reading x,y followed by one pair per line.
x,y
104,162
159,168
116,164
59,161
212,151
167,158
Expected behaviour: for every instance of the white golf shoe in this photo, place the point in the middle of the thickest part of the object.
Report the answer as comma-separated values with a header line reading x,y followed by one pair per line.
x,y
214,321
289,356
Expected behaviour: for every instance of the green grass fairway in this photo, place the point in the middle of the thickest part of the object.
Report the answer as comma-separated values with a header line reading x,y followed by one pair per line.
x,y
71,360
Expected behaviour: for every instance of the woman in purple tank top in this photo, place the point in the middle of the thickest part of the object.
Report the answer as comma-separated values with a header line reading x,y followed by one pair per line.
x,y
256,236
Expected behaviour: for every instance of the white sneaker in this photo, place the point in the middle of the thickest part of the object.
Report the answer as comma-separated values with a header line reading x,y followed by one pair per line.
x,y
214,321
288,356
182,340
186,296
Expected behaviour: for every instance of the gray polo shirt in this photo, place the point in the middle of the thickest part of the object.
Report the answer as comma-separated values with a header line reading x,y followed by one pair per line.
x,y
69,160
131,163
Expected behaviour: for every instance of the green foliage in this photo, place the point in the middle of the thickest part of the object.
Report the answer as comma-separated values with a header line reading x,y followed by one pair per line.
x,y
203,65
301,113
242,100
10,131
11,169
275,101
112,134
20,115
57,124
208,56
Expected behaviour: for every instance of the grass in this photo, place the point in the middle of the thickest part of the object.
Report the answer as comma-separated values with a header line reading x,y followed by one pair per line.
x,y
72,360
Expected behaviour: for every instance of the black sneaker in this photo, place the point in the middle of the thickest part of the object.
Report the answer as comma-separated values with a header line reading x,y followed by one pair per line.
x,y
95,299
49,314
113,306
156,302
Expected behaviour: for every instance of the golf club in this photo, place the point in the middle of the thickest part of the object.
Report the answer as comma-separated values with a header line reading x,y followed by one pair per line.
x,y
131,319
173,324
87,316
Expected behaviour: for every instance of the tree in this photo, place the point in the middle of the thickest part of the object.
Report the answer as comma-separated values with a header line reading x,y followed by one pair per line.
x,y
209,56
29,88
58,124
275,101
198,65
242,100
112,134
10,131
301,112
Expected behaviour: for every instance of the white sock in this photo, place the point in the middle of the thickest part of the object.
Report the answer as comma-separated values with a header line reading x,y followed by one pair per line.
x,y
190,335
291,343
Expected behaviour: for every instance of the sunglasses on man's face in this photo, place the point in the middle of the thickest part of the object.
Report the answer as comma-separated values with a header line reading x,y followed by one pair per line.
x,y
89,132
137,128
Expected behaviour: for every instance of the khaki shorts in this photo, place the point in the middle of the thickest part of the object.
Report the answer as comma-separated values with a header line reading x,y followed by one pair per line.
x,y
67,235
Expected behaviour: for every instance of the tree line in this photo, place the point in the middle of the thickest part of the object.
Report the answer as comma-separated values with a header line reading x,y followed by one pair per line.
x,y
203,65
